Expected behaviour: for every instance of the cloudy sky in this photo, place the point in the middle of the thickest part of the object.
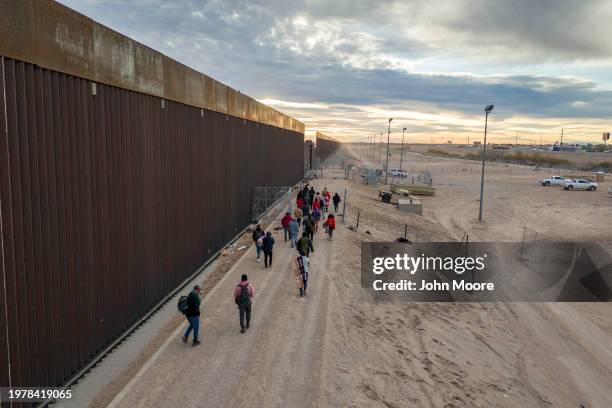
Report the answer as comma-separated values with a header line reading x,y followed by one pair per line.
x,y
345,66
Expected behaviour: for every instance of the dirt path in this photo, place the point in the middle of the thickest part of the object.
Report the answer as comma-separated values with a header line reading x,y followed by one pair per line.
x,y
277,362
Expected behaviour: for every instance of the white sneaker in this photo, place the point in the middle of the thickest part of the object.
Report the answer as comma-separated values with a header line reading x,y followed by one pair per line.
x,y
257,259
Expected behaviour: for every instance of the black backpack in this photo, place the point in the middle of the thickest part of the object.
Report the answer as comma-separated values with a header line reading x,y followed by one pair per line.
x,y
244,298
183,305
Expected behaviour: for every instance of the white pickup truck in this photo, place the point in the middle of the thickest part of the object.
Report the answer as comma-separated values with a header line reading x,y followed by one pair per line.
x,y
552,180
579,184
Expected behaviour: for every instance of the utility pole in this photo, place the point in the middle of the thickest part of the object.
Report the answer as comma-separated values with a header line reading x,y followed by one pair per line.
x,y
488,110
562,136
541,133
516,142
387,160
380,148
402,150
373,148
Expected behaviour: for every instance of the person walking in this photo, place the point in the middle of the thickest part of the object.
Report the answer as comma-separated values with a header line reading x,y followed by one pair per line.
x,y
303,265
327,199
304,245
243,297
267,245
309,227
298,214
330,225
306,209
294,230
193,315
316,203
257,235
285,223
336,201
316,217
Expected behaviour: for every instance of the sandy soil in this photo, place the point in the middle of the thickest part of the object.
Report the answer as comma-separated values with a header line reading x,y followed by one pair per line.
x,y
337,347
578,158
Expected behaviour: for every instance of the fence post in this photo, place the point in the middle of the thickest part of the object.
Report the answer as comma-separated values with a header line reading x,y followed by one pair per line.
x,y
405,230
344,206
289,200
357,226
522,241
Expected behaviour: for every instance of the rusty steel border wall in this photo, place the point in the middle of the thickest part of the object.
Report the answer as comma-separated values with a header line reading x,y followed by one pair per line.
x,y
109,199
53,36
326,146
309,155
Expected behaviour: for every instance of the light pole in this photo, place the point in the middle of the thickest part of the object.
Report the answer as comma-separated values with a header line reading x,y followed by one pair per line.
x,y
379,147
373,153
402,151
488,110
387,159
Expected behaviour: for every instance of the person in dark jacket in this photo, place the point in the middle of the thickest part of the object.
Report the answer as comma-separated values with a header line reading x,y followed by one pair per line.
x,y
306,210
309,226
257,234
243,296
336,200
304,245
267,245
193,315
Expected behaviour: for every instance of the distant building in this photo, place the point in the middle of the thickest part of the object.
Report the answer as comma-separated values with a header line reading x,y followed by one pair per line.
x,y
476,144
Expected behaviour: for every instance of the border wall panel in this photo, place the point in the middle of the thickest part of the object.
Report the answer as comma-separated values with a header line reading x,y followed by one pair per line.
x,y
108,202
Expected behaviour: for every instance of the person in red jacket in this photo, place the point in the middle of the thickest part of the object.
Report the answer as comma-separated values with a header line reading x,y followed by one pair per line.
x,y
330,225
285,223
299,202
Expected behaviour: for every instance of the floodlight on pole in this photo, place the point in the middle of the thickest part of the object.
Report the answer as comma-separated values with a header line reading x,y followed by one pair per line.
x,y
387,160
488,110
402,150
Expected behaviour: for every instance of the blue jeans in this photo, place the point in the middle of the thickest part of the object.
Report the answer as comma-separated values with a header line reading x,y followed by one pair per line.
x,y
194,324
286,229
258,250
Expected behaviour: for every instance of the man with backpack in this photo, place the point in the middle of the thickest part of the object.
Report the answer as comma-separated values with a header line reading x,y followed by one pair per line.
x,y
304,245
243,296
257,238
267,244
192,313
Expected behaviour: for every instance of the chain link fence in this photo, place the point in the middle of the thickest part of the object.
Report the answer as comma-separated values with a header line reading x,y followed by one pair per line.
x,y
264,198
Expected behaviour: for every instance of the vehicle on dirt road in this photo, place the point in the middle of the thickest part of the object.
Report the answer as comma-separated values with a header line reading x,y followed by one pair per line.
x,y
553,180
398,173
579,184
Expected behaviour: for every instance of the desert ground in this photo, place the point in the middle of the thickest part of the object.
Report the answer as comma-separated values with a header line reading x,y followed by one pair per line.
x,y
337,347
579,159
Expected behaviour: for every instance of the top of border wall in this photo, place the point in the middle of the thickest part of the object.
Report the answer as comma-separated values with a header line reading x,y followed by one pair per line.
x,y
323,136
53,36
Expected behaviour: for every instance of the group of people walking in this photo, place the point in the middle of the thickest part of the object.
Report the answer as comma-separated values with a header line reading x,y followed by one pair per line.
x,y
311,207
